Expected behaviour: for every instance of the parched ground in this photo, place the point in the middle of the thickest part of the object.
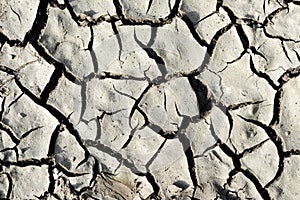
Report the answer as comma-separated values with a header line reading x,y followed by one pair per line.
x,y
158,99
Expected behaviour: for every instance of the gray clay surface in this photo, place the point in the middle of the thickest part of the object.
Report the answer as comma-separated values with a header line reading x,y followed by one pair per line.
x,y
158,99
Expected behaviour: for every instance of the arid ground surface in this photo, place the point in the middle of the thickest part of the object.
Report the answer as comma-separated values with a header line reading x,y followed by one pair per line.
x,y
158,99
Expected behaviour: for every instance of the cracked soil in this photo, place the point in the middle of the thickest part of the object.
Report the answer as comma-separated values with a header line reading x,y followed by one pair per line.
x,y
158,99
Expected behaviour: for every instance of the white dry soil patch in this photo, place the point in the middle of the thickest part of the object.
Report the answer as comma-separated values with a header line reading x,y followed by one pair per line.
x,y
158,99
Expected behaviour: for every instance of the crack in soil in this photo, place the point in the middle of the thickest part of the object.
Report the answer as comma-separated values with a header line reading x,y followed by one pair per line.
x,y
138,122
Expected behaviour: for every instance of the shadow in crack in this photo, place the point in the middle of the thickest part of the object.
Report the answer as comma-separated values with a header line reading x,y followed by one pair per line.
x,y
193,15
225,194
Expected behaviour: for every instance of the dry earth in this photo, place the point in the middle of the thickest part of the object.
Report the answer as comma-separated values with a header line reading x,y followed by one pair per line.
x,y
158,99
